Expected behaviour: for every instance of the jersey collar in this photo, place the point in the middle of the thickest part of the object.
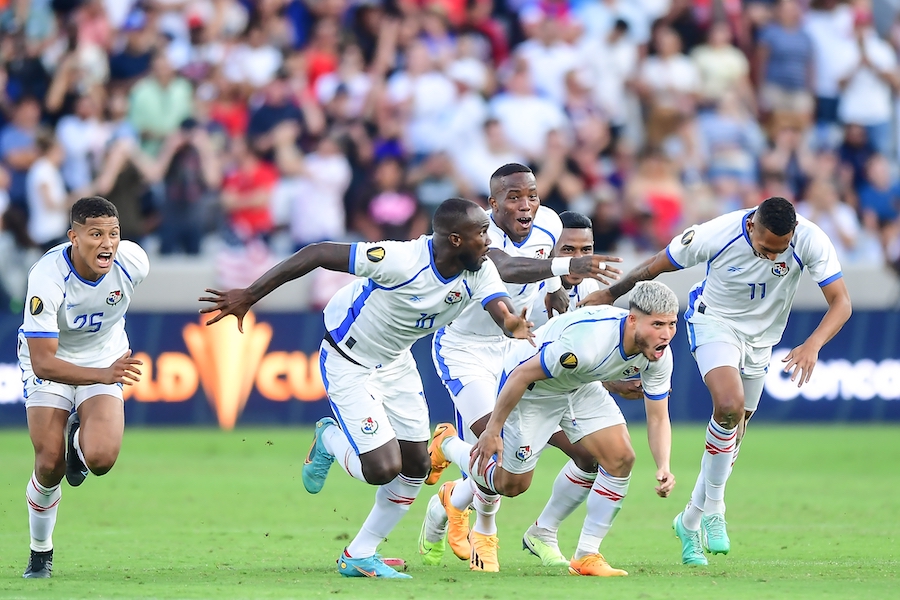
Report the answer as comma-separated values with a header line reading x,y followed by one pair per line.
x,y
516,244
434,267
748,215
622,340
74,272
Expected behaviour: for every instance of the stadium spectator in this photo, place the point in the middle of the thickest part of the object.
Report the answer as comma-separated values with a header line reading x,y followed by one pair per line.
x,y
722,68
784,64
17,146
159,103
48,202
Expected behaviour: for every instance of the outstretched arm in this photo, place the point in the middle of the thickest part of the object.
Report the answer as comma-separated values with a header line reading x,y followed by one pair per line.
x,y
328,255
659,435
530,270
802,359
513,325
647,270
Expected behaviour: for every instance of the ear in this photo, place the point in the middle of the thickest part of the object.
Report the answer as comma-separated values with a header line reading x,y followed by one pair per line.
x,y
492,202
455,240
72,236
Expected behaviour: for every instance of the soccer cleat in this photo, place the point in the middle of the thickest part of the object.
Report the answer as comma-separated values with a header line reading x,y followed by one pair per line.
x,y
548,553
76,471
484,553
691,550
713,535
40,565
432,552
457,523
439,462
318,459
594,565
371,566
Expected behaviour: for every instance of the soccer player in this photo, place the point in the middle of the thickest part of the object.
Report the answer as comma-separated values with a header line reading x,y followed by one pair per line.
x,y
558,385
74,354
754,259
468,356
412,289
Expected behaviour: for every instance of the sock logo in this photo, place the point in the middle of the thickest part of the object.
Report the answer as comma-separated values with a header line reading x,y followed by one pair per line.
x,y
227,361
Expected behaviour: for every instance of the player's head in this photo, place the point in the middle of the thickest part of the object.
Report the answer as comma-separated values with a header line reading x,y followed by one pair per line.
x,y
653,311
772,227
460,227
577,239
94,235
514,200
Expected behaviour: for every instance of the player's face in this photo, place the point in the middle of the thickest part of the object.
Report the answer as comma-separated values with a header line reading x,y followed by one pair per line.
x,y
94,246
766,244
653,333
516,205
574,243
474,241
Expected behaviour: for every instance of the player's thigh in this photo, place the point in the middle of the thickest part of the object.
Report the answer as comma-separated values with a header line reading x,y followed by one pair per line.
x,y
101,410
611,448
47,430
719,353
595,422
399,388
528,429
362,418
474,402
470,372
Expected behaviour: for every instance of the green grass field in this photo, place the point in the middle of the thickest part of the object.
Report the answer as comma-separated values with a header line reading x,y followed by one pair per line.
x,y
813,513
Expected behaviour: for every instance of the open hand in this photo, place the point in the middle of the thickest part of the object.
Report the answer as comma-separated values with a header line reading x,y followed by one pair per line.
x,y
124,370
484,449
596,267
233,302
801,361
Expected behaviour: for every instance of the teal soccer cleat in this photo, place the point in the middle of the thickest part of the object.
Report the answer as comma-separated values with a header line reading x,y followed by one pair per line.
x,y
713,534
318,460
371,566
691,550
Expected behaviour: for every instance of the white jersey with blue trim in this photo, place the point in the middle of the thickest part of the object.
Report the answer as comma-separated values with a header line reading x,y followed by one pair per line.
x,y
545,230
753,295
405,298
587,345
87,317
576,294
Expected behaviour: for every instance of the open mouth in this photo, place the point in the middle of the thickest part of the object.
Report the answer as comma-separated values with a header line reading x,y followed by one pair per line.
x,y
104,260
524,222
659,351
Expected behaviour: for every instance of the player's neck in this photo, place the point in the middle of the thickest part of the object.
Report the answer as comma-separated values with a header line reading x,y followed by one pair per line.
x,y
448,266
629,344
80,266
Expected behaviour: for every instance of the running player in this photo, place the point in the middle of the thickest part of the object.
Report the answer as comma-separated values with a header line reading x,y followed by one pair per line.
x,y
412,289
468,356
557,386
74,356
735,316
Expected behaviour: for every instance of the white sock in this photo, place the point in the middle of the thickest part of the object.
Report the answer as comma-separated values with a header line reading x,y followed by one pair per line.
x,y
720,444
436,523
487,480
486,507
77,443
570,489
336,442
392,501
602,507
462,494
690,518
457,452
43,502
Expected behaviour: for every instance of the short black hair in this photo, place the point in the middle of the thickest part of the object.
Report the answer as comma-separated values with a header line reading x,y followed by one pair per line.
x,y
574,220
506,170
92,207
451,214
777,215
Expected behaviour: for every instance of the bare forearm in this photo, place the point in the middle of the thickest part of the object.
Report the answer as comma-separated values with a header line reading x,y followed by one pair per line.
x,y
838,314
523,270
331,256
640,273
659,436
58,370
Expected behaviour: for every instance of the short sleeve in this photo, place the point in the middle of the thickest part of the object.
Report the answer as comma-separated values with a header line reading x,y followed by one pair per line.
x,y
133,261
695,245
386,263
818,254
43,300
488,284
570,355
656,380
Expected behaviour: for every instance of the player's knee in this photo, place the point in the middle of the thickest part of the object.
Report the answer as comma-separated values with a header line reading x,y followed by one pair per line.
x,y
382,472
729,411
585,462
621,462
513,486
100,461
50,465
416,466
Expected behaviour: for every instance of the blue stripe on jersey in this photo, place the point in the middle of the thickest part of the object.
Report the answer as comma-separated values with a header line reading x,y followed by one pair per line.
x,y
725,247
672,258
323,354
79,277
799,262
692,337
455,386
354,310
744,231
547,232
351,268
662,396
124,270
622,341
434,267
692,297
544,363
41,334
468,291
831,279
494,296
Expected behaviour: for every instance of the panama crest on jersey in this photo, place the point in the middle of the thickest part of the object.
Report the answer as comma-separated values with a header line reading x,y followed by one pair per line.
x,y
453,297
631,371
369,426
114,297
523,453
780,269
540,253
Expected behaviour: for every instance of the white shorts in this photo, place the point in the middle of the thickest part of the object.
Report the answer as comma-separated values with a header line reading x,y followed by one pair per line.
x,y
535,418
374,406
51,394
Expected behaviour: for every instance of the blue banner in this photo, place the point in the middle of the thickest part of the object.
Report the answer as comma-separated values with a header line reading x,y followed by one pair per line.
x,y
197,375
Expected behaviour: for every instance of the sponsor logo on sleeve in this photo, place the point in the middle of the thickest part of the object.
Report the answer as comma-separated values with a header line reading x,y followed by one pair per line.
x,y
35,305
568,360
688,237
375,254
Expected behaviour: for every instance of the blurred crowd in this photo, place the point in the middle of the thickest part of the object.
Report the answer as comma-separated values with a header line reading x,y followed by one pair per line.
x,y
241,130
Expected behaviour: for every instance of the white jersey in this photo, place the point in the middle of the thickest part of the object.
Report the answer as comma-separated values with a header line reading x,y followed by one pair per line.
x,y
545,230
88,317
405,298
576,293
753,295
585,346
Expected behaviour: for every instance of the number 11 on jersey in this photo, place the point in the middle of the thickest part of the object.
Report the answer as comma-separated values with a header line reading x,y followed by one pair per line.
x,y
762,290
